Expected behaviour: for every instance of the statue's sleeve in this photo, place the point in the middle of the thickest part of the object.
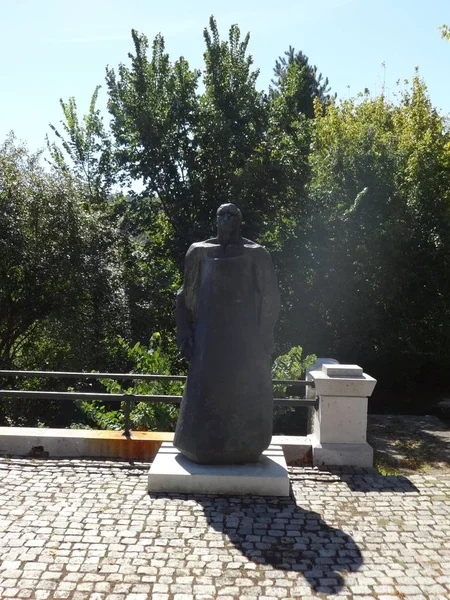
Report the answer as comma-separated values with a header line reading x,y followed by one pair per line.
x,y
269,297
187,296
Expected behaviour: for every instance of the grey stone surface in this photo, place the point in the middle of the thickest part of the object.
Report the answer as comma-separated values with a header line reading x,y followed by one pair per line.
x,y
172,472
338,454
333,370
72,529
226,312
78,443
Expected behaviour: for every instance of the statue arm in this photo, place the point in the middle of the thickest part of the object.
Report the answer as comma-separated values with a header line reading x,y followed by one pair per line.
x,y
186,307
184,326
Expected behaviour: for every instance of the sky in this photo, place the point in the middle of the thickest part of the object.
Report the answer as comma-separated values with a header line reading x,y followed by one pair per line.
x,y
54,49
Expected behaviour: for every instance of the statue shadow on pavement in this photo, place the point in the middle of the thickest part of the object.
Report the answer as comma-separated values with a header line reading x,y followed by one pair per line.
x,y
275,532
358,480
397,484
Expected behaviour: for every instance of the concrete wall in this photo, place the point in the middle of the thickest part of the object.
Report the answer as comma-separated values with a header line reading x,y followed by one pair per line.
x,y
85,443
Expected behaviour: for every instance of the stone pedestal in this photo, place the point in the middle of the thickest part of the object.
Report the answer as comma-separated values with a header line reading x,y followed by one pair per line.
x,y
173,473
340,423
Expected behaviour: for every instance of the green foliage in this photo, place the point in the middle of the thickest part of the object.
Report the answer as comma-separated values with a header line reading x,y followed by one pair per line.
x,y
60,279
151,279
291,365
445,32
379,240
307,85
88,148
144,416
195,150
51,257
153,105
351,198
287,419
149,276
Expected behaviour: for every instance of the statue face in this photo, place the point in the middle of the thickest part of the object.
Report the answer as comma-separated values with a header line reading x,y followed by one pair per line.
x,y
229,219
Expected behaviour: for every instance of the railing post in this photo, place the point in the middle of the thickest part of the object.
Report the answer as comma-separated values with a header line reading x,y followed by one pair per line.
x,y
339,425
126,415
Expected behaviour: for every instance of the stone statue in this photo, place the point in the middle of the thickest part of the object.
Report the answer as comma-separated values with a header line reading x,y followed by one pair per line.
x,y
226,312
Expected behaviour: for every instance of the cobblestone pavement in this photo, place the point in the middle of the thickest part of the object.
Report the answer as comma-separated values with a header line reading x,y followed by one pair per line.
x,y
88,529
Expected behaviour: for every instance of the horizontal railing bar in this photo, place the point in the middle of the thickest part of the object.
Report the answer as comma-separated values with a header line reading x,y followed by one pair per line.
x,y
84,396
124,376
83,375
24,394
295,401
292,382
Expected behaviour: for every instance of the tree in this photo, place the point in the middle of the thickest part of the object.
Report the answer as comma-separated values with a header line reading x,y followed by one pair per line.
x,y
194,151
380,217
55,256
61,291
351,198
41,251
87,146
84,152
308,83
153,104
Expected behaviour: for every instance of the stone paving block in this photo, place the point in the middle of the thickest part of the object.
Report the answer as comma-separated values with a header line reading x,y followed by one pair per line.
x,y
77,529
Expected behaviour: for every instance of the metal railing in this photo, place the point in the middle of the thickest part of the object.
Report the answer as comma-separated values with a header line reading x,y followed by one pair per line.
x,y
125,397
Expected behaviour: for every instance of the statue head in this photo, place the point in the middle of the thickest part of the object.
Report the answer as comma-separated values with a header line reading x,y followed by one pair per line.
x,y
229,219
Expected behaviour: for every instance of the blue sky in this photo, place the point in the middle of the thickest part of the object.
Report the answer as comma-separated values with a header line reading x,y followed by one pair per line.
x,y
55,49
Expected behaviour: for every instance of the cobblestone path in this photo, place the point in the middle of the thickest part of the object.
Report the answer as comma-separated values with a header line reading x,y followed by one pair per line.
x,y
88,529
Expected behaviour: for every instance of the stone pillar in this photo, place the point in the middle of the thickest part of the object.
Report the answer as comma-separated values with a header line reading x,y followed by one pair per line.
x,y
311,392
340,422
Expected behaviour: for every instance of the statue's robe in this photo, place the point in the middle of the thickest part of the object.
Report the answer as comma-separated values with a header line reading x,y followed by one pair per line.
x,y
228,305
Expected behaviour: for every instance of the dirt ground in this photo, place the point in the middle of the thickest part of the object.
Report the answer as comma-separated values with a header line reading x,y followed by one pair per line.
x,y
405,444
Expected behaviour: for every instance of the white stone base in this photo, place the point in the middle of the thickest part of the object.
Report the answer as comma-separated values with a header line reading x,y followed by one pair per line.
x,y
341,455
296,448
173,473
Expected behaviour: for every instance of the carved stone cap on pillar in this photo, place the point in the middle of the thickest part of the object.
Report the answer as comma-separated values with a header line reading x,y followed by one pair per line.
x,y
343,380
342,370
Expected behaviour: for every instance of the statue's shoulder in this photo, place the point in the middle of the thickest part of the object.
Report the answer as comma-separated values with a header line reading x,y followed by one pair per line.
x,y
195,248
256,249
197,251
